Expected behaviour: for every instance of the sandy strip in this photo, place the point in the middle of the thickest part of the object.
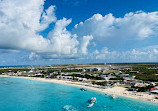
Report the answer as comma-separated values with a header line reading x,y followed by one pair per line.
x,y
119,91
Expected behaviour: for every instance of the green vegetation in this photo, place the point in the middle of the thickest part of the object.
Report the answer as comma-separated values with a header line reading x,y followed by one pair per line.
x,y
147,77
72,70
146,71
86,76
54,75
117,78
13,70
143,89
100,83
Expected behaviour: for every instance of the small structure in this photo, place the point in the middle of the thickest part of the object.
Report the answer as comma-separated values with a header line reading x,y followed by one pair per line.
x,y
154,91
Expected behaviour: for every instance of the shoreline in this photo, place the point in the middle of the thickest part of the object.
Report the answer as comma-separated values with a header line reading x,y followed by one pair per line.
x,y
119,91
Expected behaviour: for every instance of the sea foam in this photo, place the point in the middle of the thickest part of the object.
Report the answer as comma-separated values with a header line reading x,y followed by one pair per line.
x,y
69,108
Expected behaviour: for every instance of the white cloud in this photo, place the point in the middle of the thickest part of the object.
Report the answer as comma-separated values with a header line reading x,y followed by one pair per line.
x,y
133,26
21,22
33,56
105,54
84,44
63,42
47,18
146,54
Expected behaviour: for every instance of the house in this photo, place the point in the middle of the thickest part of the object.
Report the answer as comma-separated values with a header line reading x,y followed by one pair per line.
x,y
141,84
156,74
134,71
82,79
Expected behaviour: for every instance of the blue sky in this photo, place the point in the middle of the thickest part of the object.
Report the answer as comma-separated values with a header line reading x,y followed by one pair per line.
x,y
78,31
87,8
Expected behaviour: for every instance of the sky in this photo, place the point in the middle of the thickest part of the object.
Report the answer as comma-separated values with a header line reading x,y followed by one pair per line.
x,y
41,32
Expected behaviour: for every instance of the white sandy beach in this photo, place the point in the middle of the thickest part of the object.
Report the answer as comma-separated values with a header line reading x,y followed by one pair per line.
x,y
119,91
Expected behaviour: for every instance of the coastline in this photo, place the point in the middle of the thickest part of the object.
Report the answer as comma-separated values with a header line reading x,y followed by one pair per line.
x,y
119,91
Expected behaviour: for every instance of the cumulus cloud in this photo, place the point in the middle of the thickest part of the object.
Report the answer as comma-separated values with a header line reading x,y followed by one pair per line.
x,y
47,17
84,44
133,26
146,54
21,22
33,56
63,41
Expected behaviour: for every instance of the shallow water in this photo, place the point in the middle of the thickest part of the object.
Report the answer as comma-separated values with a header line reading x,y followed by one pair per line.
x,y
28,95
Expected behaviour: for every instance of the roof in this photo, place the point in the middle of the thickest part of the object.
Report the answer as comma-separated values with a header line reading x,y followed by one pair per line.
x,y
156,87
154,91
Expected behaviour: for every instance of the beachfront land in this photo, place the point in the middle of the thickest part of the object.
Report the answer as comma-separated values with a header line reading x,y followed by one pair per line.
x,y
138,81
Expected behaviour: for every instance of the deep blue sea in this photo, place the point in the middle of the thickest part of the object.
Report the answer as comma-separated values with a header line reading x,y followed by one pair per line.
x,y
29,95
14,66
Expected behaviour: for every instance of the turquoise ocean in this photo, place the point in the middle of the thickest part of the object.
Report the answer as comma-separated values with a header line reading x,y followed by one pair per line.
x,y
29,95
